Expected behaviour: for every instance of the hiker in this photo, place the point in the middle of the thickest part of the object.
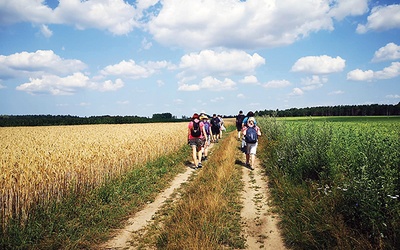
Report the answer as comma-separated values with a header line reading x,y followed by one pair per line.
x,y
249,114
215,128
196,134
251,133
221,126
207,137
239,125
244,124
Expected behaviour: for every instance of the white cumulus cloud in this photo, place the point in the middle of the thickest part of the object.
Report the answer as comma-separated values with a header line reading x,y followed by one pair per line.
x,y
381,18
319,64
390,52
343,8
55,85
209,83
249,80
110,86
116,16
387,73
238,24
360,75
38,63
131,69
313,82
297,92
224,63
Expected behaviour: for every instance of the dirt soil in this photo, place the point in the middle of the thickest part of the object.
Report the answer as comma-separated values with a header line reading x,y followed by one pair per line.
x,y
258,222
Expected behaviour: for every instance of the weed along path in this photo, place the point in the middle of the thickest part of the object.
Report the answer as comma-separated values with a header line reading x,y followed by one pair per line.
x,y
258,224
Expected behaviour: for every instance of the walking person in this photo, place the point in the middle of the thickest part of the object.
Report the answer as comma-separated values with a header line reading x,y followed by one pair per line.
x,y
248,115
244,124
239,123
207,137
221,126
215,128
196,134
251,133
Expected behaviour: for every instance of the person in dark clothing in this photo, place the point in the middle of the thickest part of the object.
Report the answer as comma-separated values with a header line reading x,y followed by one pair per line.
x,y
239,123
215,128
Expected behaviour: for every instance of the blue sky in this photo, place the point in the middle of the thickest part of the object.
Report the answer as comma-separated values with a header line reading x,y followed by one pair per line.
x,y
115,57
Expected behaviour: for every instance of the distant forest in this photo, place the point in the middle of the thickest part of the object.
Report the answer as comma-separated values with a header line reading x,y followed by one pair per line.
x,y
58,120
54,120
345,110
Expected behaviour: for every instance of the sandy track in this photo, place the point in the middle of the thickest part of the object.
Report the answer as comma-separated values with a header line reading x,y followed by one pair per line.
x,y
259,223
142,218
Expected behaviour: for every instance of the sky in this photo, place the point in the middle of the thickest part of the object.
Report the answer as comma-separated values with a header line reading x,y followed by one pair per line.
x,y
123,57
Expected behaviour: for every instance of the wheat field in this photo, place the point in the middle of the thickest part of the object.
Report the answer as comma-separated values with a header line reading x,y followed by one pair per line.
x,y
43,164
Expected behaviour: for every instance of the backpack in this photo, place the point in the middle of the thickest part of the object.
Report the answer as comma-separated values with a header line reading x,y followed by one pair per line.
x,y
207,127
251,135
215,122
239,119
195,131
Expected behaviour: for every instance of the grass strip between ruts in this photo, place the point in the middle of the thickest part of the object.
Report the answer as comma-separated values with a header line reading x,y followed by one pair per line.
x,y
208,214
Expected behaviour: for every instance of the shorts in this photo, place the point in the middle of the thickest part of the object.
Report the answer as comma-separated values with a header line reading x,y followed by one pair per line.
x,y
198,142
251,148
215,130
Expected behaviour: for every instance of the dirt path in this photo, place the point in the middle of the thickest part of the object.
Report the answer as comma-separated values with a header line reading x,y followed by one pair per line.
x,y
259,224
142,218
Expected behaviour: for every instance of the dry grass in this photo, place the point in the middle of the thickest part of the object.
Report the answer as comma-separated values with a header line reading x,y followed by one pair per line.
x,y
43,164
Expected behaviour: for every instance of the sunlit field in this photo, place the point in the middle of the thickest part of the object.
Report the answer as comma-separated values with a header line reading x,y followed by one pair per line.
x,y
351,167
43,164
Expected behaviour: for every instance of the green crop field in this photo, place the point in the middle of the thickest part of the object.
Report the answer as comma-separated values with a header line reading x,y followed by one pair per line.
x,y
346,177
362,119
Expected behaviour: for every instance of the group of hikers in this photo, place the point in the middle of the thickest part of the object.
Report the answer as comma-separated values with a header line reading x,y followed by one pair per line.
x,y
202,131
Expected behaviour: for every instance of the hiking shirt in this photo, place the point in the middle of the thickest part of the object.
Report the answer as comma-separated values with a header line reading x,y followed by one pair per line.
x,y
207,127
190,126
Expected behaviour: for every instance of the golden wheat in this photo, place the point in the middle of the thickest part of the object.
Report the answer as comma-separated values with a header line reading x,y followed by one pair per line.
x,y
42,164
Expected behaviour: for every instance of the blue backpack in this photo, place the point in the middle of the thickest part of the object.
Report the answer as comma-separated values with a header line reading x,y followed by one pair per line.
x,y
251,135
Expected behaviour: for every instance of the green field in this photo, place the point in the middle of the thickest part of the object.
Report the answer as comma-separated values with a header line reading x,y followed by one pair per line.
x,y
362,119
336,179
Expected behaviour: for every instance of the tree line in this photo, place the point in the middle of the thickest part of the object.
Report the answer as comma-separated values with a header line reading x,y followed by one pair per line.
x,y
342,110
58,120
54,120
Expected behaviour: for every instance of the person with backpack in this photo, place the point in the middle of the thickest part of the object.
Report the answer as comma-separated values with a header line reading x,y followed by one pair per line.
x,y
215,128
251,133
196,138
239,125
249,114
207,137
244,124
